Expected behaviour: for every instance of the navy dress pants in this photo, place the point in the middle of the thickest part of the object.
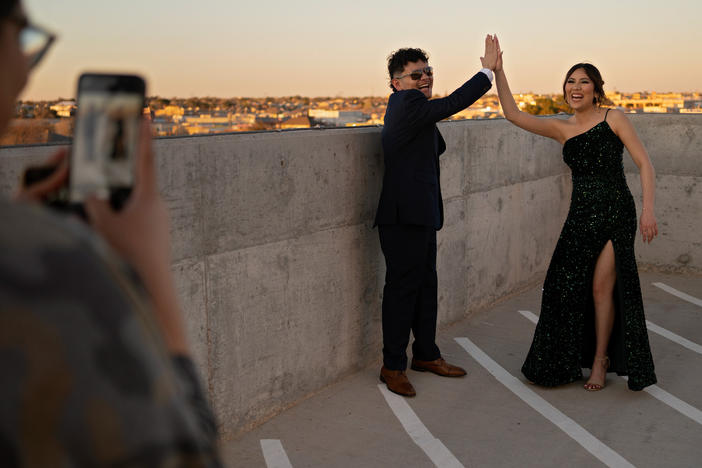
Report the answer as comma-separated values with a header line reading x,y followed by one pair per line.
x,y
409,295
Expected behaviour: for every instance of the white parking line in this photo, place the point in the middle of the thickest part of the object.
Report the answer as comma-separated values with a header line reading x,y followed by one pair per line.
x,y
589,442
673,337
692,346
433,447
674,402
680,294
530,315
274,454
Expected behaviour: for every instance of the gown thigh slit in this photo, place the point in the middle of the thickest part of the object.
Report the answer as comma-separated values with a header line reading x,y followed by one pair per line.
x,y
602,209
614,347
592,320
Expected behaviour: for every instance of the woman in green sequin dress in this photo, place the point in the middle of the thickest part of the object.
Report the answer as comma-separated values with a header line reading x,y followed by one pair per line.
x,y
591,311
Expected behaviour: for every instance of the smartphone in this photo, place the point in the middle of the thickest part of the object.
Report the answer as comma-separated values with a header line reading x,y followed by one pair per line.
x,y
106,137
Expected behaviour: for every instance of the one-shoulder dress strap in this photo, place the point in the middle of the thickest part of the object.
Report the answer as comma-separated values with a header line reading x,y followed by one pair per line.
x,y
605,119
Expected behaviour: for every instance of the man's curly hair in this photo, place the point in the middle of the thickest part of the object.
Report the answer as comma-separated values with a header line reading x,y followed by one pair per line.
x,y
401,57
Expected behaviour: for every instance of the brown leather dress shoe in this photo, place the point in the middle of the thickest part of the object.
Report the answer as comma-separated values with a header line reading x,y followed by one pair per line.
x,y
397,382
438,367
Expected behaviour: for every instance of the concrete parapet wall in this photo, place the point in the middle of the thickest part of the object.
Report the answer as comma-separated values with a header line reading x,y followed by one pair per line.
x,y
674,143
280,272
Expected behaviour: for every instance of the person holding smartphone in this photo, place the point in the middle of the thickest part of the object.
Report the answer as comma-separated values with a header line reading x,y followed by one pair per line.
x,y
96,368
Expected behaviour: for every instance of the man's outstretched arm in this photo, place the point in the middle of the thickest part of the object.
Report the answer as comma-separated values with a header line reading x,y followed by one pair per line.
x,y
420,111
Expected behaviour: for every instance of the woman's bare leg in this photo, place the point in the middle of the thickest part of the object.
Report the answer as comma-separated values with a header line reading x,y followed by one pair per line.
x,y
602,288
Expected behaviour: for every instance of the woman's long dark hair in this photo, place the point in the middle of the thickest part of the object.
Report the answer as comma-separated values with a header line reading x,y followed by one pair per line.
x,y
594,74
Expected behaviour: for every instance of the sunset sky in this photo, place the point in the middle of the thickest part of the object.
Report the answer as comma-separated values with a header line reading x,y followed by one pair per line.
x,y
231,48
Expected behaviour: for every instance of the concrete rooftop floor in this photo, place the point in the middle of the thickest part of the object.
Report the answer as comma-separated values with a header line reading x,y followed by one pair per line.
x,y
479,420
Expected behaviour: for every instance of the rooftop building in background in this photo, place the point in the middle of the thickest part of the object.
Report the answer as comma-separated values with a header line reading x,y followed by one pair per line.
x,y
174,112
64,108
296,122
648,102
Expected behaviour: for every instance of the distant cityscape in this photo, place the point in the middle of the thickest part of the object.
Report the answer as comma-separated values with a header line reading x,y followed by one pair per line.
x,y
52,121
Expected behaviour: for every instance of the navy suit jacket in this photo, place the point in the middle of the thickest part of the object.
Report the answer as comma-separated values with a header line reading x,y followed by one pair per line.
x,y
412,145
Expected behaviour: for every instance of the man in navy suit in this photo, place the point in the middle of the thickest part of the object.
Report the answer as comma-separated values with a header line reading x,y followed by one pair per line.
x,y
410,210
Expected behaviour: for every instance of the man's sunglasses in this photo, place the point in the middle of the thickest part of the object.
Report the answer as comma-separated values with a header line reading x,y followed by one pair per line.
x,y
34,40
417,74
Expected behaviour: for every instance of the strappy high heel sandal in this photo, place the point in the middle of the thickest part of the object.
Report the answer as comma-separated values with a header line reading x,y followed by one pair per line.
x,y
593,387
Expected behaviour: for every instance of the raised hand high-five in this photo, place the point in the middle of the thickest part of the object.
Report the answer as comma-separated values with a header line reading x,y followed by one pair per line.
x,y
489,59
498,64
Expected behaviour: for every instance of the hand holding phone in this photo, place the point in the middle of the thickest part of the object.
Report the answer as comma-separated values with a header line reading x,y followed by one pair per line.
x,y
46,183
104,147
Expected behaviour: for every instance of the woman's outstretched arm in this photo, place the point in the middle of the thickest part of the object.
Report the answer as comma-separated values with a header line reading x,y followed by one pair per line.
x,y
551,128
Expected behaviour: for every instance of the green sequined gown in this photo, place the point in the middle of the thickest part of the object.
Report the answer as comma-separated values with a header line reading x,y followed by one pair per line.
x,y
601,209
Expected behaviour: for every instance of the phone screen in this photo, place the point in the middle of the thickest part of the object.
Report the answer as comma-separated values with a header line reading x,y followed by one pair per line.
x,y
106,136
